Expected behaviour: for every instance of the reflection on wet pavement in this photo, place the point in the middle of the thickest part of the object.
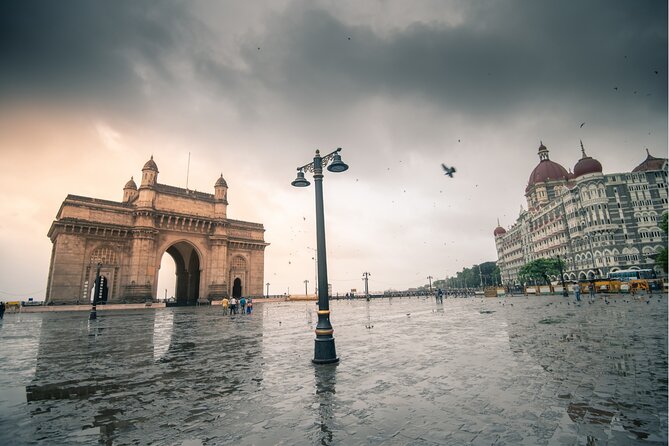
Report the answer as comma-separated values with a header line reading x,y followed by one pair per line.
x,y
468,371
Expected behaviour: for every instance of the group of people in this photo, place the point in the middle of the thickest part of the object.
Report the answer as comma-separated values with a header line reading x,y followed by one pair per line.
x,y
591,292
439,294
458,292
235,306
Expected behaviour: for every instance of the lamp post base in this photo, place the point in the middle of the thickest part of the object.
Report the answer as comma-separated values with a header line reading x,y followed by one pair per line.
x,y
324,351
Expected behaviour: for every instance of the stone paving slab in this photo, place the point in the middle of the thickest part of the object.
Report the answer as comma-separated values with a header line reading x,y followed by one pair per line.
x,y
510,371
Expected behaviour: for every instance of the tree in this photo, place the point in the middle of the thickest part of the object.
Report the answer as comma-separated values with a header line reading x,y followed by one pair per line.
x,y
440,283
540,270
488,272
661,259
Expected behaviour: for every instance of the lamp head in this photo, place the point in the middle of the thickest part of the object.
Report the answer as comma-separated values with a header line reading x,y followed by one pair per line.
x,y
300,181
337,164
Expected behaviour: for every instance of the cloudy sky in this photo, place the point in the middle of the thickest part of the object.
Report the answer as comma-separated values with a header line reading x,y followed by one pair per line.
x,y
89,90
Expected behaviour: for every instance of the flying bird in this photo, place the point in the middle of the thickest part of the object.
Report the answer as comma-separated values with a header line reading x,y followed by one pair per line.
x,y
582,124
448,170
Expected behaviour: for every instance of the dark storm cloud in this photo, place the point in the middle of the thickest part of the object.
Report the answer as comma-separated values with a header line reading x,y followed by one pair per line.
x,y
504,55
86,50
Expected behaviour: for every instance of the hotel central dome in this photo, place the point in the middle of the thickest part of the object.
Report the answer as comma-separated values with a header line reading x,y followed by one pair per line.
x,y
586,164
546,170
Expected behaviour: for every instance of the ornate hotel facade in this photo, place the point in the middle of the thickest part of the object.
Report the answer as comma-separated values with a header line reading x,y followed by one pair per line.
x,y
214,256
597,223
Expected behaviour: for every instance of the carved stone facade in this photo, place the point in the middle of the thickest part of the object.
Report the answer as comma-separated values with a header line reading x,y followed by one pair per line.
x,y
214,255
597,223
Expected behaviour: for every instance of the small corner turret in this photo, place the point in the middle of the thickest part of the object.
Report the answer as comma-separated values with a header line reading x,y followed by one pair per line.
x,y
221,197
221,189
149,173
130,191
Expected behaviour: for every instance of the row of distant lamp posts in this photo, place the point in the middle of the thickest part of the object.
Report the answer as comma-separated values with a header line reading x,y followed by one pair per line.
x,y
324,347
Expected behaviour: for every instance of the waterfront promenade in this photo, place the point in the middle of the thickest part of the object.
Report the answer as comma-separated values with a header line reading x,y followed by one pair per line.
x,y
483,371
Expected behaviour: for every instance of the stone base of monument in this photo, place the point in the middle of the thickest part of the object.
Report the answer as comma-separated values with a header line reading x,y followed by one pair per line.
x,y
136,294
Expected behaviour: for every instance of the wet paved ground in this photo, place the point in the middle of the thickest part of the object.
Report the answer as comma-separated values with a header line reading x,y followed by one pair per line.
x,y
513,371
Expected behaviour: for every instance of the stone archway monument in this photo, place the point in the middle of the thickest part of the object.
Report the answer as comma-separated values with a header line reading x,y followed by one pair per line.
x,y
129,238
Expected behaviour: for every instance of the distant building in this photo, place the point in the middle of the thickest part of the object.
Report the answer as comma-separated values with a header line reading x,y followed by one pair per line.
x,y
595,222
214,255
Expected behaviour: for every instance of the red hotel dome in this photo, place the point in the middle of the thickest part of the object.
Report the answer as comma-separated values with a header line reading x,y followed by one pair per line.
x,y
586,165
650,163
546,170
499,230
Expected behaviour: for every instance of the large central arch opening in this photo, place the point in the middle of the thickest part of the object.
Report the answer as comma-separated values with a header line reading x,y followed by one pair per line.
x,y
186,281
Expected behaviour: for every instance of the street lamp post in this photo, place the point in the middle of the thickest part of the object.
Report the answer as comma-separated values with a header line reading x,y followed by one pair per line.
x,y
429,278
365,277
267,293
564,288
324,345
306,292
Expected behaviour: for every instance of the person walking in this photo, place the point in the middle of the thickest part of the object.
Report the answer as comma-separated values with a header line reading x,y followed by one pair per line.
x,y
249,306
591,288
242,303
224,303
233,305
577,292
